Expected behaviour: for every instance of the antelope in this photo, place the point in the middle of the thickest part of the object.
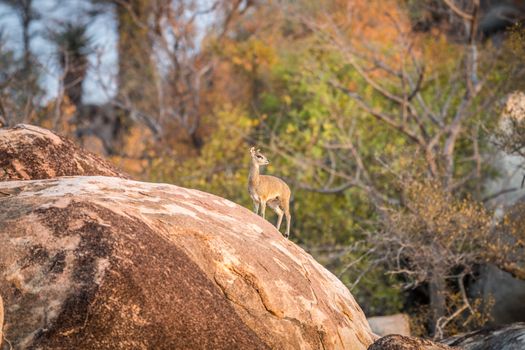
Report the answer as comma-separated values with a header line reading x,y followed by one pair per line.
x,y
266,189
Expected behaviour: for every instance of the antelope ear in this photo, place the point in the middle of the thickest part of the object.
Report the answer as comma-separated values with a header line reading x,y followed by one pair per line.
x,y
258,150
252,150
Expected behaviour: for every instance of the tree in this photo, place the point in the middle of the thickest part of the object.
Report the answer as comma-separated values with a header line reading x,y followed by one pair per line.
x,y
415,116
26,13
73,46
135,49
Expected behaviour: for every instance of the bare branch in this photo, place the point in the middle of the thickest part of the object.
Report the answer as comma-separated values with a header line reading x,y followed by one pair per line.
x,y
333,190
389,120
458,11
443,321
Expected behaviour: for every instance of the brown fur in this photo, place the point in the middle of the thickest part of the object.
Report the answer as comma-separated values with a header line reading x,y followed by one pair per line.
x,y
266,189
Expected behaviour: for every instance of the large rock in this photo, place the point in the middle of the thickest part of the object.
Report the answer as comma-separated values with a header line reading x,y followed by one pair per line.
x,y
508,337
29,152
109,263
503,293
502,288
1,319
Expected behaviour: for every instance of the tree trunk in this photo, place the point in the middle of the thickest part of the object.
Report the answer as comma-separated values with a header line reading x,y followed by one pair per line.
x,y
437,289
136,69
24,10
26,22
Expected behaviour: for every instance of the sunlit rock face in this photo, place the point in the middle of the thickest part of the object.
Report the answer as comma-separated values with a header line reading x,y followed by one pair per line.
x,y
1,319
29,152
109,263
391,324
515,106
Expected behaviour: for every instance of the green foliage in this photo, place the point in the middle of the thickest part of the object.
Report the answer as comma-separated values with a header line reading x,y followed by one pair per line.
x,y
302,113
297,110
73,46
222,166
72,40
20,93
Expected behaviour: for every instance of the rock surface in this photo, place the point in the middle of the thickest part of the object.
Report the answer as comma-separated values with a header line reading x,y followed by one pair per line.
x,y
391,324
399,342
509,337
502,292
109,263
29,152
1,319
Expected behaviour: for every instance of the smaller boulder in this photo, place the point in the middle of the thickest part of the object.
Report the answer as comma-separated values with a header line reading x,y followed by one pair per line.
x,y
400,342
28,152
508,337
391,324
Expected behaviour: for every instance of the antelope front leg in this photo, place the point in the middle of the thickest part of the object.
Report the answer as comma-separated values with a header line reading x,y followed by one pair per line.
x,y
263,209
279,213
288,219
256,207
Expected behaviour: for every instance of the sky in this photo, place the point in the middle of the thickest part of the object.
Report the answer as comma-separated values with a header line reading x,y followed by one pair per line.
x,y
100,82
